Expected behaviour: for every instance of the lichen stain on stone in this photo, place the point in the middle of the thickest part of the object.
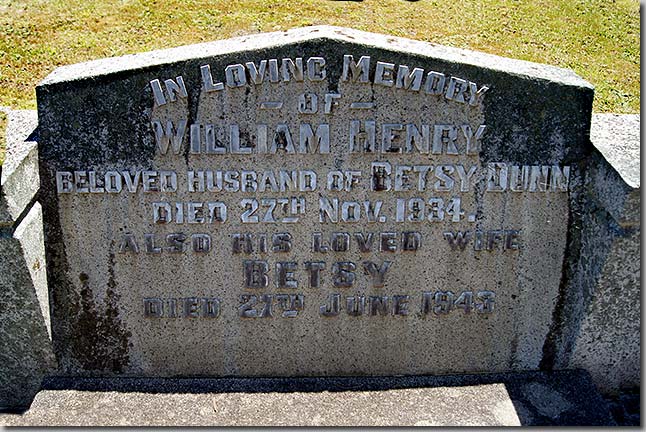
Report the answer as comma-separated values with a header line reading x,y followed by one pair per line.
x,y
100,342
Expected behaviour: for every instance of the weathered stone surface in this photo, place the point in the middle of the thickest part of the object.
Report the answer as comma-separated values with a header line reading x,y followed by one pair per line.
x,y
608,340
100,117
528,399
26,355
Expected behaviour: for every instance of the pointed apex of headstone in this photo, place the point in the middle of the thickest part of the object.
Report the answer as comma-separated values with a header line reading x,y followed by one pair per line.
x,y
343,35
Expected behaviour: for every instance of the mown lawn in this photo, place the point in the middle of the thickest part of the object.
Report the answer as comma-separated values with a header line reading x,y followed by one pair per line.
x,y
599,39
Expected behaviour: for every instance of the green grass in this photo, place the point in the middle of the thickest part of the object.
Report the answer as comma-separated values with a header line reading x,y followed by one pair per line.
x,y
598,39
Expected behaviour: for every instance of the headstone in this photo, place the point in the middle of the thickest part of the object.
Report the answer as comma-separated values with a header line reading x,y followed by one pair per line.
x,y
316,202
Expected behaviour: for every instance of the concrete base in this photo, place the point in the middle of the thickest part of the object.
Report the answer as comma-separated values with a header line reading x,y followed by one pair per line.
x,y
532,398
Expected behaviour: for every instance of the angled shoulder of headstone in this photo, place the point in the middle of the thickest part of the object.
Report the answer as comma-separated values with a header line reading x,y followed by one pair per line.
x,y
19,179
617,138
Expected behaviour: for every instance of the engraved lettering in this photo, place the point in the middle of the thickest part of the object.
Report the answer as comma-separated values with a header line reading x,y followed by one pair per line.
x,y
378,274
153,308
169,136
356,71
314,268
285,274
409,80
343,274
384,74
333,306
256,273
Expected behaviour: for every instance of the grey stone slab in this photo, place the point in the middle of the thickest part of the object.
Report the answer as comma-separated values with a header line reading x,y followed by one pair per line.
x,y
597,326
608,337
26,355
19,172
30,235
440,309
608,343
558,398
25,330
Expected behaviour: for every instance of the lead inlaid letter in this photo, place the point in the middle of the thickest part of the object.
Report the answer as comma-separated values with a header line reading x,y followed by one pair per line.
x,y
356,71
378,273
473,141
175,88
314,268
384,74
207,80
294,68
165,136
316,69
235,75
362,136
256,274
409,80
318,142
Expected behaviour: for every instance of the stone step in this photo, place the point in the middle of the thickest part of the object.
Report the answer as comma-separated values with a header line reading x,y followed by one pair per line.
x,y
513,399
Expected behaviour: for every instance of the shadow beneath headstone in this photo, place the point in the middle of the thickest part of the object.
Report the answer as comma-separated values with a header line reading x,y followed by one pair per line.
x,y
625,406
560,398
539,398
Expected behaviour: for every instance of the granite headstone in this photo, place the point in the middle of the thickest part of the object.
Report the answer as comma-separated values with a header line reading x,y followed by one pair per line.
x,y
317,202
